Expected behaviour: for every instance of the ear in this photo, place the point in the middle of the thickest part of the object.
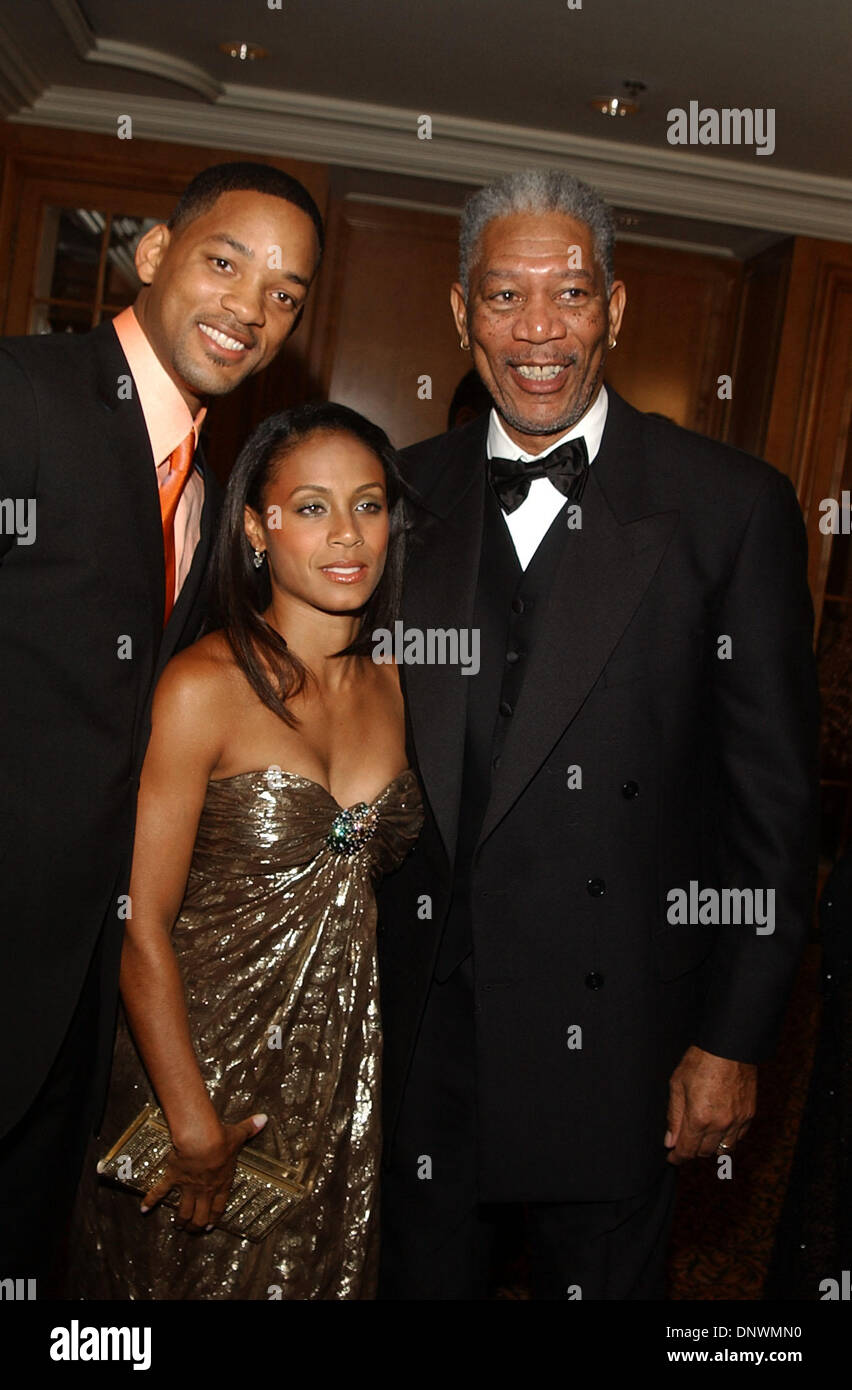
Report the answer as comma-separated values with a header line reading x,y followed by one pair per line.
x,y
254,529
617,302
459,308
150,251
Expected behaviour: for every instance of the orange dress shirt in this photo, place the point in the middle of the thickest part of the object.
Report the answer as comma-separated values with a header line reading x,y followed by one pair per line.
x,y
168,421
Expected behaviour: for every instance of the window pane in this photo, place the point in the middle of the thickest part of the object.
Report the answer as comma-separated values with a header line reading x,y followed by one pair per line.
x,y
70,254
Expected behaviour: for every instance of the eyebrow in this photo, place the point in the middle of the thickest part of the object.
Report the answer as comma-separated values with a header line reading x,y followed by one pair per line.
x,y
243,250
233,243
516,274
311,487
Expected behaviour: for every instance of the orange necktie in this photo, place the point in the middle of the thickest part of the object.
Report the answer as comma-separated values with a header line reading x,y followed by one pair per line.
x,y
180,464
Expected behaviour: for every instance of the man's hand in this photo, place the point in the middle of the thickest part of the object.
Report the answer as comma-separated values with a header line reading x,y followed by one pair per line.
x,y
711,1102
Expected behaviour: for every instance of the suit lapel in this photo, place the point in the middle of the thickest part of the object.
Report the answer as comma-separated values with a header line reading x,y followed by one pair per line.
x,y
440,587
131,451
599,582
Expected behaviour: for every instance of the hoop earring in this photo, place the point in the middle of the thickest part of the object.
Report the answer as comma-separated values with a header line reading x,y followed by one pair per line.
x,y
259,557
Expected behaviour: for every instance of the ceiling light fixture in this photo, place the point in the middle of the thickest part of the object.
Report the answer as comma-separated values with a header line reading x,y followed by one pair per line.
x,y
237,48
620,106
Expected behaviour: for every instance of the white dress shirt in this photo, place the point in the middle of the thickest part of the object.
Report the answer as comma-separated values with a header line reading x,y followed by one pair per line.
x,y
529,522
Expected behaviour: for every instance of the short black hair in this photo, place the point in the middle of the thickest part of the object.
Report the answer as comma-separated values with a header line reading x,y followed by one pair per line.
x,y
243,176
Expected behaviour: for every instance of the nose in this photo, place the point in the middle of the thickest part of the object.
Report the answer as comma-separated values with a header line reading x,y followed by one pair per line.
x,y
245,303
344,530
539,321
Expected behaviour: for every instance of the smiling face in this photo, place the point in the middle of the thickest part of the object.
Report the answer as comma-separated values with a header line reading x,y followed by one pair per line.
x,y
539,322
223,292
325,523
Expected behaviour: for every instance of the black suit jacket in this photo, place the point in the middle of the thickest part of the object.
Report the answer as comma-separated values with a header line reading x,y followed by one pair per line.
x,y
694,768
82,642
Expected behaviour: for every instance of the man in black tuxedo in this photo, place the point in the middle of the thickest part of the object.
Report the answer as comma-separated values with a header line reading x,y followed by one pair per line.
x,y
102,563
590,948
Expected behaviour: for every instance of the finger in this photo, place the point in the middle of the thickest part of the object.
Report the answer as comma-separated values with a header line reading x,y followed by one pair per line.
x,y
219,1203
733,1132
217,1207
201,1212
712,1143
253,1125
689,1141
186,1206
674,1117
156,1194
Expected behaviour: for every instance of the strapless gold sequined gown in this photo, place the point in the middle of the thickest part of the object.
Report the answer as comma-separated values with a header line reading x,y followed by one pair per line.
x,y
276,946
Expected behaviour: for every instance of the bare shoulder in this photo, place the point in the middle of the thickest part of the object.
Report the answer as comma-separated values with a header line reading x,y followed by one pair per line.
x,y
387,681
199,683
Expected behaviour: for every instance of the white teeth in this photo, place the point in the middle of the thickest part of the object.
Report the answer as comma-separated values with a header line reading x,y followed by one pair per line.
x,y
222,338
545,373
342,569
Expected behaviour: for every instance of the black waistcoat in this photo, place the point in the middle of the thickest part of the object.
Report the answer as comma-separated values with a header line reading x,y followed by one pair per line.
x,y
507,602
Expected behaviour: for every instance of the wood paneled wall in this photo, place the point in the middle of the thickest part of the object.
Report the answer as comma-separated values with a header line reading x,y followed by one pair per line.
x,y
811,413
678,333
383,318
760,322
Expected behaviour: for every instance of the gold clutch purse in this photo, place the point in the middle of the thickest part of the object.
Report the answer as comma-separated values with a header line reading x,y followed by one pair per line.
x,y
264,1189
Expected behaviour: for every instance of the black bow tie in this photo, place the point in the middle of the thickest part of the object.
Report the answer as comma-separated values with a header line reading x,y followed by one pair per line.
x,y
566,468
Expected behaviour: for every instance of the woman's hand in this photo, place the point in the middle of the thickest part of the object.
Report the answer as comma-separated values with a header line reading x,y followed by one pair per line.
x,y
203,1167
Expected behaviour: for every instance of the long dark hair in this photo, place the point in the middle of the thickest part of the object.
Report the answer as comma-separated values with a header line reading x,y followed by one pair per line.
x,y
242,593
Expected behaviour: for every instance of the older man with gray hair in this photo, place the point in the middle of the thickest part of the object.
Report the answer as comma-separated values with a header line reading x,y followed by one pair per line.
x,y
643,721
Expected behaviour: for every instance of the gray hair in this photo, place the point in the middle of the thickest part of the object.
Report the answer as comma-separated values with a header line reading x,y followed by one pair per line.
x,y
537,191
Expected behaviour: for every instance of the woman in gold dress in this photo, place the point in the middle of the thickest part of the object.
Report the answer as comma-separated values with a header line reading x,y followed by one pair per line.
x,y
248,975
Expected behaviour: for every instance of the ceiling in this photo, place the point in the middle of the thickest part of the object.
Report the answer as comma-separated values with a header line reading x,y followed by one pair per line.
x,y
505,83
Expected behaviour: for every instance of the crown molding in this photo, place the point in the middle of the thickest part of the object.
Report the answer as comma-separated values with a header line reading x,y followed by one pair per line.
x,y
75,24
638,238
131,56
382,138
20,85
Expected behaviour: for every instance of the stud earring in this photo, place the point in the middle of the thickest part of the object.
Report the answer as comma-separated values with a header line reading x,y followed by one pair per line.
x,y
259,557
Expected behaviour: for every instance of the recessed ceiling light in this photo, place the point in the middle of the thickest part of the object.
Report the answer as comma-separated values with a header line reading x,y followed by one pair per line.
x,y
625,105
238,48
